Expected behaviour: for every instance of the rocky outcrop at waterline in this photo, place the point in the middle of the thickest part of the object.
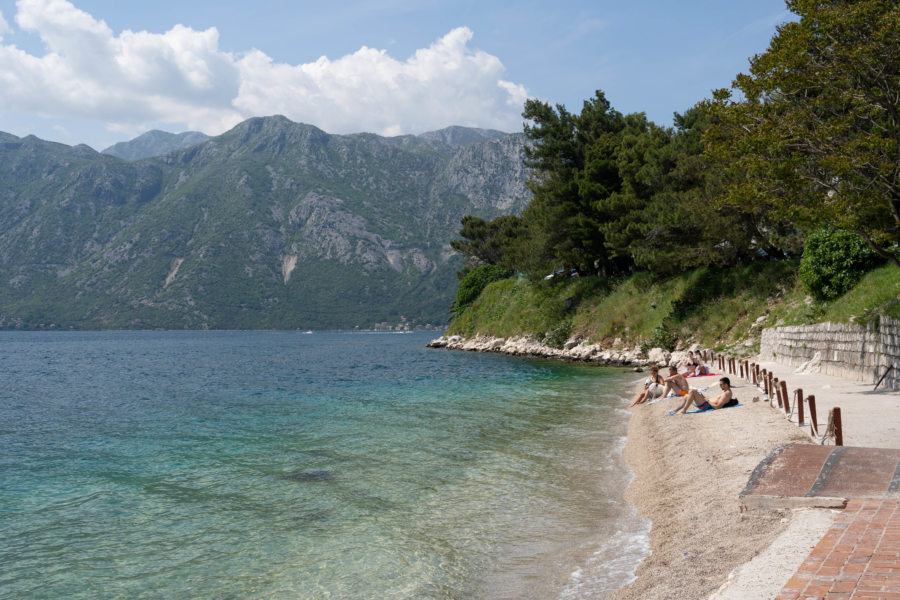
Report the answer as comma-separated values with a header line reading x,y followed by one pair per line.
x,y
573,350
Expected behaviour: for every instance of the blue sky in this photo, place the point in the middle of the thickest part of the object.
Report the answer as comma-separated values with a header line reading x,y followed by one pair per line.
x,y
103,71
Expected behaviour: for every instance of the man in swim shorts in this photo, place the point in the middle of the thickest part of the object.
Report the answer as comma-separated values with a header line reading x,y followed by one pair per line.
x,y
676,384
703,403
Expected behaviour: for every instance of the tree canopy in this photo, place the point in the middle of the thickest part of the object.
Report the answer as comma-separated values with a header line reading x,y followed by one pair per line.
x,y
818,133
811,140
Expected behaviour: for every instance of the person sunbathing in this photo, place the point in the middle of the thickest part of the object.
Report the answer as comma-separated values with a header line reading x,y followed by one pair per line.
x,y
652,387
675,383
726,398
691,361
699,370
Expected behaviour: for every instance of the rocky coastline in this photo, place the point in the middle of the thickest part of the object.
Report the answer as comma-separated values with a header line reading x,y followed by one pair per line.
x,y
574,349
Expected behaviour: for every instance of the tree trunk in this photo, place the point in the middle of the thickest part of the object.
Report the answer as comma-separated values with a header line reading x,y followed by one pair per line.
x,y
878,249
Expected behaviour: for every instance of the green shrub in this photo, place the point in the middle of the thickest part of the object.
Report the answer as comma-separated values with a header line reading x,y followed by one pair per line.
x,y
560,334
663,337
834,260
474,282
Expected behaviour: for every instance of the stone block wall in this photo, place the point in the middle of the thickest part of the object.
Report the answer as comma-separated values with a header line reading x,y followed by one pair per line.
x,y
845,350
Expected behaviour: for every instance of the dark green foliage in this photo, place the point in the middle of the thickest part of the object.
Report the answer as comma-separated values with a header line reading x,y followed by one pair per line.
x,y
833,262
663,337
817,137
558,336
490,242
474,282
574,161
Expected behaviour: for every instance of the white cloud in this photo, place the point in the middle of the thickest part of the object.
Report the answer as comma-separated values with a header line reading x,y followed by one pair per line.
x,y
443,84
4,27
132,80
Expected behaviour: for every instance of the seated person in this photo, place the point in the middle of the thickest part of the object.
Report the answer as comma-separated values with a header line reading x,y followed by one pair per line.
x,y
652,387
689,362
675,383
726,398
699,370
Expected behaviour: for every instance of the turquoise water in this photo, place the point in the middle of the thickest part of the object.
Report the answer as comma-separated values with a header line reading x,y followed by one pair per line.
x,y
289,465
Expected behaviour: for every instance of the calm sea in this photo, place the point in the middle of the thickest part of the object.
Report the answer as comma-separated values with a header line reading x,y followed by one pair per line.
x,y
291,465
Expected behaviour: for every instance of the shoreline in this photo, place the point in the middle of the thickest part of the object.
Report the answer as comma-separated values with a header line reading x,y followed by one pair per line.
x,y
573,350
688,472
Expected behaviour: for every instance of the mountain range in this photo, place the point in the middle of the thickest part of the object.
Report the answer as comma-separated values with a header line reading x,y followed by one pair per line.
x,y
273,224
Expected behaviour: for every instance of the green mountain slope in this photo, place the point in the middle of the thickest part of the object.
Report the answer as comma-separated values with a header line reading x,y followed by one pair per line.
x,y
273,224
154,143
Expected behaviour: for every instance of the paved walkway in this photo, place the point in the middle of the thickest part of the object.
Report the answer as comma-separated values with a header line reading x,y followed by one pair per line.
x,y
871,418
858,558
806,471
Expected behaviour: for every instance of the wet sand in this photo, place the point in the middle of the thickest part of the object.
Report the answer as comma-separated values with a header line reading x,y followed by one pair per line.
x,y
689,470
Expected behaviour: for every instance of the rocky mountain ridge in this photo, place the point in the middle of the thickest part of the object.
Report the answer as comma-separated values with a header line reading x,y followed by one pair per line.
x,y
154,143
273,224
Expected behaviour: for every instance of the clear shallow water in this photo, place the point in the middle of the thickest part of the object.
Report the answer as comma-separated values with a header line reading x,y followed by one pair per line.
x,y
286,465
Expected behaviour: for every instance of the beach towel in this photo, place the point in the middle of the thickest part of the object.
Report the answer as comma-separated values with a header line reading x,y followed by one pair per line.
x,y
707,375
707,409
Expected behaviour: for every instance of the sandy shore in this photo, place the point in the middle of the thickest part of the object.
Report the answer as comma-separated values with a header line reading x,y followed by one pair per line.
x,y
689,470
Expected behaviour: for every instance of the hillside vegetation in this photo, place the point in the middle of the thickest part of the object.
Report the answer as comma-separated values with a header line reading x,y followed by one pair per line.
x,y
718,308
776,202
765,171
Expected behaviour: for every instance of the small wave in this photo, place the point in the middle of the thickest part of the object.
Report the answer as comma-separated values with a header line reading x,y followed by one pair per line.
x,y
613,564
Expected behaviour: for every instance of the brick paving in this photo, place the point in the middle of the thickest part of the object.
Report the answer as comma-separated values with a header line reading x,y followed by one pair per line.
x,y
810,470
858,558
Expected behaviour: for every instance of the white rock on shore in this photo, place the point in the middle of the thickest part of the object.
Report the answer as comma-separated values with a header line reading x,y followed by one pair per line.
x,y
573,349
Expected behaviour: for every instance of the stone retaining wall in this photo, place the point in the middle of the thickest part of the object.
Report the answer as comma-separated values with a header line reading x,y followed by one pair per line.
x,y
844,350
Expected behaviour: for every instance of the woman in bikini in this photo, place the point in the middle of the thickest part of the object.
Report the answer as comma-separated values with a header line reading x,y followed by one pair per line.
x,y
726,398
652,387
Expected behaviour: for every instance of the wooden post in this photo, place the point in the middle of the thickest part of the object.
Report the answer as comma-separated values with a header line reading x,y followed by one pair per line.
x,y
814,426
742,369
773,382
784,394
838,433
771,385
799,393
762,381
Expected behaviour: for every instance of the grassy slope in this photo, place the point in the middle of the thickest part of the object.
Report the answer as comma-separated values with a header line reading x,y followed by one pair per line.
x,y
713,307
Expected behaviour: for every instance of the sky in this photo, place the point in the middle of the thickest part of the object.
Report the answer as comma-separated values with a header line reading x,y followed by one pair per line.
x,y
104,71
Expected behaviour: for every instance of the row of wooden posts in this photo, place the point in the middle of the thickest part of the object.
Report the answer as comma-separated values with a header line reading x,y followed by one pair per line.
x,y
773,387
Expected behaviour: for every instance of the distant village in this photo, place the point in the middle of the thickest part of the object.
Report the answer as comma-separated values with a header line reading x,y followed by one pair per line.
x,y
407,325
7,322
